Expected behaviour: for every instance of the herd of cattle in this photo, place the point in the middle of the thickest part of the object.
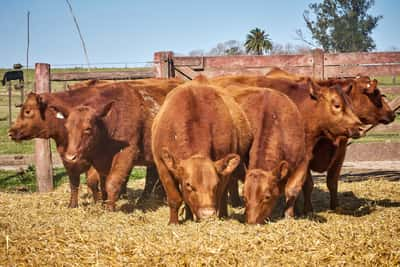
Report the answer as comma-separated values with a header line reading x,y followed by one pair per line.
x,y
200,137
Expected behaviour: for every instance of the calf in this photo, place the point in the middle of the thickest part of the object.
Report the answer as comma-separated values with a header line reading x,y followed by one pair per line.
x,y
326,110
277,158
112,131
37,119
370,107
199,137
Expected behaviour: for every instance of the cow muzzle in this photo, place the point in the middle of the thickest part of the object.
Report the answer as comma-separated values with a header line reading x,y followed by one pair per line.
x,y
71,158
355,132
15,135
205,213
388,119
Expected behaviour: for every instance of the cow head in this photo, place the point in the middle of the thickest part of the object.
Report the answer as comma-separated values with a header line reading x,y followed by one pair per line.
x,y
201,180
368,102
261,191
334,112
85,128
31,121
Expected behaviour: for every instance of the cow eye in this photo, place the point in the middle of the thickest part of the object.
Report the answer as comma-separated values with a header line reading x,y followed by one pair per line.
x,y
267,197
189,187
27,112
336,105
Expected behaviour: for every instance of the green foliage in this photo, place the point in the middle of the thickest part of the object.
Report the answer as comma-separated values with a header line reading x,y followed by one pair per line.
x,y
257,42
25,180
342,25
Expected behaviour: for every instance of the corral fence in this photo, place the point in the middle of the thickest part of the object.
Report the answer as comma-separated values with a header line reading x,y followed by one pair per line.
x,y
316,64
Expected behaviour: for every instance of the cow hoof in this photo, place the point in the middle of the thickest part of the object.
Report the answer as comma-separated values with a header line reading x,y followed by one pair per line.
x,y
110,208
72,206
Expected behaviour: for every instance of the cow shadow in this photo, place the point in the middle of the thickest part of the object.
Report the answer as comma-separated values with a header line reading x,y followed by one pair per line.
x,y
136,202
349,203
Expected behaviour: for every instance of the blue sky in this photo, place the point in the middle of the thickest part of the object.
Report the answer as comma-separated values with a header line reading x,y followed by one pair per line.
x,y
131,31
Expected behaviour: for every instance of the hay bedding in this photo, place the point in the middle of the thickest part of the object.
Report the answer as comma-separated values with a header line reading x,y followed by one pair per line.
x,y
39,230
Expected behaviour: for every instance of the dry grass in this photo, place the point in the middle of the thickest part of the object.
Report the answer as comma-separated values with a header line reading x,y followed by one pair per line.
x,y
39,230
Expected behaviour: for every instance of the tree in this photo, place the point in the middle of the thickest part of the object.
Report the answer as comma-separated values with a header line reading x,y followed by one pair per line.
x,y
288,49
257,42
228,48
341,25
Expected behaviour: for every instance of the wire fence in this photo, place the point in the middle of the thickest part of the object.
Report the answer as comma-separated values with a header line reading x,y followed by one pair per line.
x,y
7,146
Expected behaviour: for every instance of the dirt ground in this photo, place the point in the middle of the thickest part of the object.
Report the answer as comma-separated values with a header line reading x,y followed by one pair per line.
x,y
38,230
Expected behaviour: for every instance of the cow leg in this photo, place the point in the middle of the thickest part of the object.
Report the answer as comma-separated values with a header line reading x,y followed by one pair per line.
x,y
234,196
293,187
152,183
334,174
174,198
307,191
124,186
188,213
223,207
103,188
93,182
74,181
120,170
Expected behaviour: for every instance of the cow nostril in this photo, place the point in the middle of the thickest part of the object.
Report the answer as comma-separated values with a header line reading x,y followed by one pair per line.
x,y
71,157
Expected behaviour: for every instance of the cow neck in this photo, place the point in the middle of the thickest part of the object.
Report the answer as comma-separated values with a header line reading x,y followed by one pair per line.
x,y
313,129
56,129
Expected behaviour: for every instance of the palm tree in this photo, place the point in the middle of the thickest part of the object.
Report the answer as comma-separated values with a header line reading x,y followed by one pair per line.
x,y
257,42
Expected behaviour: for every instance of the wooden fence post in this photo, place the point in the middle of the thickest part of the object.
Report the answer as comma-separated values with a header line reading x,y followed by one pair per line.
x,y
318,64
164,64
44,166
9,103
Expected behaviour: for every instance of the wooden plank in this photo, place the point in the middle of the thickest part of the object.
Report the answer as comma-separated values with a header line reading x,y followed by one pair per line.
x,y
186,73
43,163
372,70
246,61
362,58
103,75
258,61
213,72
193,62
389,90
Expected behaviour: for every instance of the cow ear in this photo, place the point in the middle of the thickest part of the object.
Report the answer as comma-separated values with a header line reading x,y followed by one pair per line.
x,y
228,164
62,112
347,88
313,88
168,159
105,109
370,88
282,170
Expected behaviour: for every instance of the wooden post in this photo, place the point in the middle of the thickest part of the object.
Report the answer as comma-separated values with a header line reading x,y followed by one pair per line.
x,y
163,64
318,64
44,166
9,104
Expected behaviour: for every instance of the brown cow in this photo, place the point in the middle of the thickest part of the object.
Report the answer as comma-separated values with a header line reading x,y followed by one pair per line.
x,y
199,138
326,110
370,107
277,158
38,119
